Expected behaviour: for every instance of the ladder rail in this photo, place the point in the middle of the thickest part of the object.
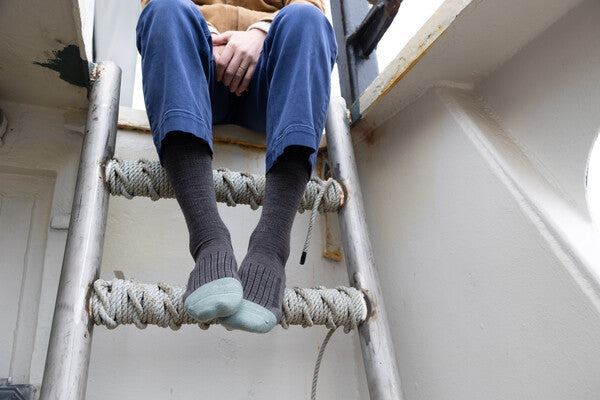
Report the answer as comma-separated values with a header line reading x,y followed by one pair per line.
x,y
68,357
376,343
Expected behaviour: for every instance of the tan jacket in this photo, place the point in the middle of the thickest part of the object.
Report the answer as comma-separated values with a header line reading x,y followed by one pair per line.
x,y
238,15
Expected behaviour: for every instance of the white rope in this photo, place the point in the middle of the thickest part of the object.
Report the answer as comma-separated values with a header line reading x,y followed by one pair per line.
x,y
313,392
126,301
148,179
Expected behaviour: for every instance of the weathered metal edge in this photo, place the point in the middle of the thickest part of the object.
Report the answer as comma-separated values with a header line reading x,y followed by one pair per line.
x,y
409,56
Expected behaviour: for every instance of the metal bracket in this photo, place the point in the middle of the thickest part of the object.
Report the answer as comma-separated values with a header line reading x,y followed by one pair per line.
x,y
358,29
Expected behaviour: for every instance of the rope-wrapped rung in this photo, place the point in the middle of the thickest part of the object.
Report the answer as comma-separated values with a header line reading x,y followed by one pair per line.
x,y
126,301
148,179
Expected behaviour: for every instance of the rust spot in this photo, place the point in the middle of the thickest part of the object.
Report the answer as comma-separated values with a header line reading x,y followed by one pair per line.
x,y
370,138
332,251
130,127
334,255
398,77
410,66
319,165
1,67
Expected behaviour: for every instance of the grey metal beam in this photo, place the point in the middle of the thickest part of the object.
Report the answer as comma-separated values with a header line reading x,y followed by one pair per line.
x,y
67,361
371,30
375,337
355,74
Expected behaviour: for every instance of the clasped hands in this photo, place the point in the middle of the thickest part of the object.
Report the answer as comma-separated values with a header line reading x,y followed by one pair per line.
x,y
236,54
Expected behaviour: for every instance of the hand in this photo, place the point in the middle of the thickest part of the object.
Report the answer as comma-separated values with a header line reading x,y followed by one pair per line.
x,y
217,49
235,64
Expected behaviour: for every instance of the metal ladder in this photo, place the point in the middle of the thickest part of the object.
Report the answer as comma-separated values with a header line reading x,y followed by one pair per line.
x,y
68,357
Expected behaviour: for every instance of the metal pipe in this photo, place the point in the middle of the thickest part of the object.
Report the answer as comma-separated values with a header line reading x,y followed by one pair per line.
x,y
68,358
375,337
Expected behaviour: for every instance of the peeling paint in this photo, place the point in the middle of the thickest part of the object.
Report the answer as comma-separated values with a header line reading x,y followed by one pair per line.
x,y
96,71
355,114
69,65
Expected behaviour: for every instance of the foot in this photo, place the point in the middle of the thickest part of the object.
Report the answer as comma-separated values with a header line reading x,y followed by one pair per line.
x,y
263,279
214,289
262,271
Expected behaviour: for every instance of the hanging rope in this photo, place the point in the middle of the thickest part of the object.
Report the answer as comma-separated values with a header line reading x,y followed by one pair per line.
x,y
313,392
313,215
126,301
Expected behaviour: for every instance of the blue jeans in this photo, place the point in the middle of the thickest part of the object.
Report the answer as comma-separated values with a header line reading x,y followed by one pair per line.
x,y
287,98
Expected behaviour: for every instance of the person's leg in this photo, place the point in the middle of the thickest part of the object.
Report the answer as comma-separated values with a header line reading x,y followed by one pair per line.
x,y
176,49
290,95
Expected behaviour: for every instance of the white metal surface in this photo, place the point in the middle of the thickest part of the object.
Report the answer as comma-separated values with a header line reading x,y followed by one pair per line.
x,y
476,202
473,173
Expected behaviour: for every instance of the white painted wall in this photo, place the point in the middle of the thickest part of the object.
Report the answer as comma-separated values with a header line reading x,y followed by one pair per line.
x,y
38,163
548,99
25,199
476,201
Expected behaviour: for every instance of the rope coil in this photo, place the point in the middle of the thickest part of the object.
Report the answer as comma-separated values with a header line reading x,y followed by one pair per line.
x,y
126,301
145,178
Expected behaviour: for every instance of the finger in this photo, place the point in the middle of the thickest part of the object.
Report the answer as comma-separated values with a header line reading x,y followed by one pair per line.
x,y
217,50
222,38
232,68
237,78
222,62
246,82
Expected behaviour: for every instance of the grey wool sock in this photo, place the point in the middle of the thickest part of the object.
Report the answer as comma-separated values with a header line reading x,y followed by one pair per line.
x,y
188,162
262,270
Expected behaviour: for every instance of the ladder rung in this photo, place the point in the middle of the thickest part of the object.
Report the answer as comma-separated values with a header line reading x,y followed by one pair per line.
x,y
145,178
126,301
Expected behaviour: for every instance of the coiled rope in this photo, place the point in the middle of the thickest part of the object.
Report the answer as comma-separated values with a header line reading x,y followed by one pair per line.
x,y
126,301
145,178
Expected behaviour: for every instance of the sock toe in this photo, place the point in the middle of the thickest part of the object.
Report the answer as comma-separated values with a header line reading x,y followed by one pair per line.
x,y
218,298
250,317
